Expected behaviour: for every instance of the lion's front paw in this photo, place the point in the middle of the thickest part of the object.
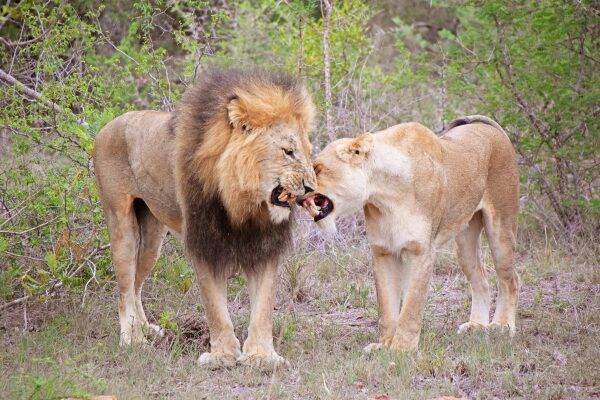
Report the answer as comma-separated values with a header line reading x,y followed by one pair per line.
x,y
470,327
125,341
503,328
267,360
133,335
216,360
137,333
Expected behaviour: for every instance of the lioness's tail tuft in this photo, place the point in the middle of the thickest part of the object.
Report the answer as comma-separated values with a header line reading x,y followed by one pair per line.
x,y
474,118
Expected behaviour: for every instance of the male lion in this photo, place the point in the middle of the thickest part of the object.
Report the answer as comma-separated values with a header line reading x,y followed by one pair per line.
x,y
219,173
418,191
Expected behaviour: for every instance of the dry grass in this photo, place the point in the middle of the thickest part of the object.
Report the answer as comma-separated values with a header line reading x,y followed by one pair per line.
x,y
67,349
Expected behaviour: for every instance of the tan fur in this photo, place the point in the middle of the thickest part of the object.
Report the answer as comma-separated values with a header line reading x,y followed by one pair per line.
x,y
160,172
418,191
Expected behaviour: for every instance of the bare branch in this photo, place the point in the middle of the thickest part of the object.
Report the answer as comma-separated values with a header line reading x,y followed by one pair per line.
x,y
32,94
36,39
30,229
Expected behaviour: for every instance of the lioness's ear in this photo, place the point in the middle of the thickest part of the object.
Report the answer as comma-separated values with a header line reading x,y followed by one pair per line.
x,y
357,149
237,114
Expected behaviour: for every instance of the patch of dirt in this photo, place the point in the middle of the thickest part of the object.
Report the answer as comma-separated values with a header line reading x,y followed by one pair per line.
x,y
193,332
30,315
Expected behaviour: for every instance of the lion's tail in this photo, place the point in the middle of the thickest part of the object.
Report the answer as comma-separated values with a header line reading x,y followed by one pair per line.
x,y
475,118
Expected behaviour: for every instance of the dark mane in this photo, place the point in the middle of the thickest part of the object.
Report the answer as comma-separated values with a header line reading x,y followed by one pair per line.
x,y
209,235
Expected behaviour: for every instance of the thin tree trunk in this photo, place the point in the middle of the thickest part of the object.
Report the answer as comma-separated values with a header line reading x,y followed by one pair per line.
x,y
442,96
326,6
301,47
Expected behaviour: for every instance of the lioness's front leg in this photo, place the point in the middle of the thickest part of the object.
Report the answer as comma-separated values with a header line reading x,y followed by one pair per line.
x,y
387,272
258,350
418,268
224,346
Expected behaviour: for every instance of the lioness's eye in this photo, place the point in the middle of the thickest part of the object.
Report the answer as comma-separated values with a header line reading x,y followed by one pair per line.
x,y
318,168
288,152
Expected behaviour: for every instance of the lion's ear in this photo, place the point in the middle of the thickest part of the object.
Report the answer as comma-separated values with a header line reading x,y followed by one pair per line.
x,y
238,115
357,150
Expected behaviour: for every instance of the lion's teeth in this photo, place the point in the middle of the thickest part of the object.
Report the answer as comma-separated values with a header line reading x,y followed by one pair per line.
x,y
283,196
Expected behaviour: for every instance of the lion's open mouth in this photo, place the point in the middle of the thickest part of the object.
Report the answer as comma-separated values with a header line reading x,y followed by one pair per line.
x,y
280,197
318,205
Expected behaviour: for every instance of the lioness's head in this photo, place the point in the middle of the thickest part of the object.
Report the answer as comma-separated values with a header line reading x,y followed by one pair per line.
x,y
255,153
342,171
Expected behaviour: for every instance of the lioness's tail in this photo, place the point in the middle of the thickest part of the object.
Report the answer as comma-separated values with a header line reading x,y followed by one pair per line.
x,y
475,118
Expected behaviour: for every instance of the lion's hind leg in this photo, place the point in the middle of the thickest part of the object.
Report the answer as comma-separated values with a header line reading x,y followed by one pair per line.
x,y
470,260
152,233
124,239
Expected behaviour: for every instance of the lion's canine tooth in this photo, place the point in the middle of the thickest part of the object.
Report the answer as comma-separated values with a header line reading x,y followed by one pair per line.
x,y
284,196
313,209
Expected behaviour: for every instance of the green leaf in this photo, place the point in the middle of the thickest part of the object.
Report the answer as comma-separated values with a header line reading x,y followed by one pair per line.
x,y
51,262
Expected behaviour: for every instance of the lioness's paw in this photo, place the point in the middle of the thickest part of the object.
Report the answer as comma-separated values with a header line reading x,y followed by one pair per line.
x,y
372,347
216,360
470,327
503,328
268,361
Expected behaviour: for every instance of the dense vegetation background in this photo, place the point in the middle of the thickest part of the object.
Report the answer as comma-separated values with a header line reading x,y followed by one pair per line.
x,y
70,67
67,68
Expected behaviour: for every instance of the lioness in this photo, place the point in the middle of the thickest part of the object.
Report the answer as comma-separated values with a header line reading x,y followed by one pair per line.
x,y
417,191
219,173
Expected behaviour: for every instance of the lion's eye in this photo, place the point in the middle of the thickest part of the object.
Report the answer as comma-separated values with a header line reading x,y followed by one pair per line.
x,y
288,152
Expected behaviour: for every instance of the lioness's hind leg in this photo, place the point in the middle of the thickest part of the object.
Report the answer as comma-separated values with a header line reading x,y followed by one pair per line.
x,y
124,240
501,233
152,234
470,260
